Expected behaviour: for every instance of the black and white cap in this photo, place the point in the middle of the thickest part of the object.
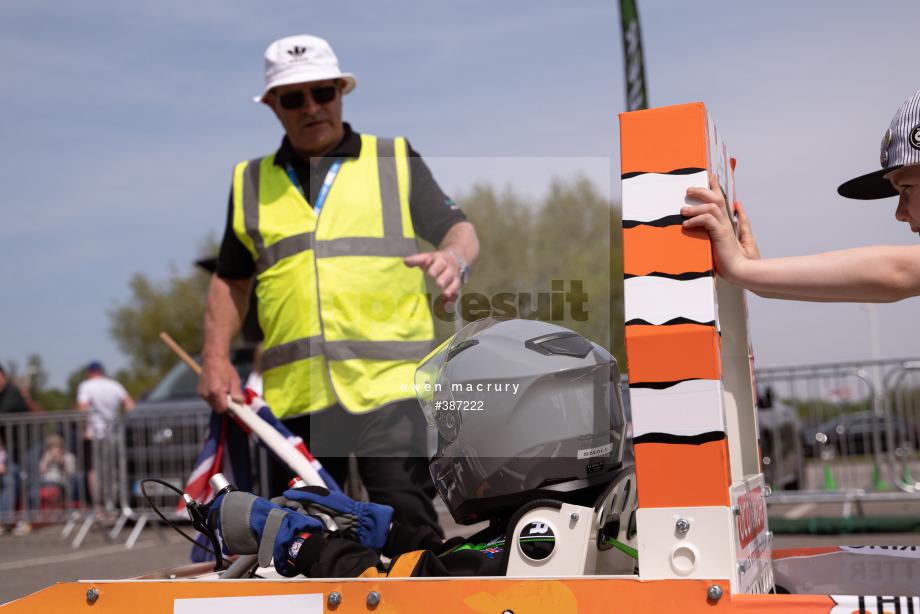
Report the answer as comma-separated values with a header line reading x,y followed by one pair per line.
x,y
900,147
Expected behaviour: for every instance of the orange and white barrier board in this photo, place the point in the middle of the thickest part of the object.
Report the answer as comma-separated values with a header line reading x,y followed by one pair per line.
x,y
702,512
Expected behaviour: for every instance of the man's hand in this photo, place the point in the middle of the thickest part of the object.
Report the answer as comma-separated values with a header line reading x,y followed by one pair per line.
x,y
224,311
218,379
443,267
730,252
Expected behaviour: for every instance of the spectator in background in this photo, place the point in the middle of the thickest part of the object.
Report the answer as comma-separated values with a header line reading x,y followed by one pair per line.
x,y
24,385
11,399
17,435
7,487
102,399
57,468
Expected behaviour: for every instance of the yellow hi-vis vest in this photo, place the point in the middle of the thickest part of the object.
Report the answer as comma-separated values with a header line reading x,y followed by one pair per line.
x,y
344,319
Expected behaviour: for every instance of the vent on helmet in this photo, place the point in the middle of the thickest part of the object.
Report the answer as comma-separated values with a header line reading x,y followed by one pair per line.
x,y
461,346
566,344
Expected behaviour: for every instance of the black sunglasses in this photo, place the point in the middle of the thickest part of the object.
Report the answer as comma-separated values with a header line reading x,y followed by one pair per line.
x,y
322,94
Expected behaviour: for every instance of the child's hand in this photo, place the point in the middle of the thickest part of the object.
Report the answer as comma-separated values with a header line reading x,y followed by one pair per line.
x,y
729,252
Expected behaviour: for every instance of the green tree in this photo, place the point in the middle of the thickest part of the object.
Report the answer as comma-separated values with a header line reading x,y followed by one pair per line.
x,y
55,399
175,306
73,381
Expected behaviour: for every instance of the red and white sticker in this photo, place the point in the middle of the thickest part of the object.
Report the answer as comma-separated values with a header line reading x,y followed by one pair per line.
x,y
751,519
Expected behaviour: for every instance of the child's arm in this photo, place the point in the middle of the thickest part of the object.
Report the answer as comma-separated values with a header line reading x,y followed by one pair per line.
x,y
862,274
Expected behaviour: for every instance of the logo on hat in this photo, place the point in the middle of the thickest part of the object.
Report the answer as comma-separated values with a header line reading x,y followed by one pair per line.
x,y
915,137
297,51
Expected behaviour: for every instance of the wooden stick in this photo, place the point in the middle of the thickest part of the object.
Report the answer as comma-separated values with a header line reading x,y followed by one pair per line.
x,y
175,347
288,454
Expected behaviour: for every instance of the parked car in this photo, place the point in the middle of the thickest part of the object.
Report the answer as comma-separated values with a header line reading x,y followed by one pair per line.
x,y
165,431
854,433
780,439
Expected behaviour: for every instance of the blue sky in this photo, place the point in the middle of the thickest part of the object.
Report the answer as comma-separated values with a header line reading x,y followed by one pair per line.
x,y
121,122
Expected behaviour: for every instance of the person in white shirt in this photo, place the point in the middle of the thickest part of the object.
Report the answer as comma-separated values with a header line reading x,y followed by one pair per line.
x,y
102,399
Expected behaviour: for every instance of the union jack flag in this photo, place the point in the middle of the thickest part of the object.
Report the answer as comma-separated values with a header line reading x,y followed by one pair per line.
x,y
226,450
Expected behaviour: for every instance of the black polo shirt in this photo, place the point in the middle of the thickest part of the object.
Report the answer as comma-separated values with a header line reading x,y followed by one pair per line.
x,y
433,213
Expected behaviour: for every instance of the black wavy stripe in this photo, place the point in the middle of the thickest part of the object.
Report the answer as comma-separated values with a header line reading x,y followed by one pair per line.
x,y
661,385
690,276
671,322
676,171
690,440
662,222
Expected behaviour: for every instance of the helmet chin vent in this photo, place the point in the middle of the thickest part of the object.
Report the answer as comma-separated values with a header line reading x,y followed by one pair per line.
x,y
564,344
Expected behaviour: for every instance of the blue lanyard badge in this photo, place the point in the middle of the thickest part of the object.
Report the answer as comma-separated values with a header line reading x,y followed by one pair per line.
x,y
323,190
327,183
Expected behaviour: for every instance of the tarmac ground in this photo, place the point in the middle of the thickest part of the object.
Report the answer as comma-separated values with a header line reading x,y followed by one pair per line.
x,y
33,562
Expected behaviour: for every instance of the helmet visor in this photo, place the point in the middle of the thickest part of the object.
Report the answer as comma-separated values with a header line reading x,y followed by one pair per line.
x,y
426,375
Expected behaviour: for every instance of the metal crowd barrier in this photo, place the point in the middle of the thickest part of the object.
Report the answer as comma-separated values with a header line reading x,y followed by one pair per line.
x,y
855,436
25,497
162,444
859,424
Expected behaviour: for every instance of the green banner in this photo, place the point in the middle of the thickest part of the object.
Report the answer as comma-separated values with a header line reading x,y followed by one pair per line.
x,y
632,57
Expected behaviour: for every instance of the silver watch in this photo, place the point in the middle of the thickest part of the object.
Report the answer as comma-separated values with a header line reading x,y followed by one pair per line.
x,y
464,267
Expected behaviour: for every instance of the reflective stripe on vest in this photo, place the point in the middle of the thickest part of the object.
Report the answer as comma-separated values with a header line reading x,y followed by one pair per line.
x,y
360,342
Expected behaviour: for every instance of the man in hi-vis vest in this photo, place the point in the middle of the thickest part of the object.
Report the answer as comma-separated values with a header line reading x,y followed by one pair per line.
x,y
327,228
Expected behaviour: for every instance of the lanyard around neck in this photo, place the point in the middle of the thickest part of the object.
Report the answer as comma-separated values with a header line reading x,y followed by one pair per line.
x,y
323,190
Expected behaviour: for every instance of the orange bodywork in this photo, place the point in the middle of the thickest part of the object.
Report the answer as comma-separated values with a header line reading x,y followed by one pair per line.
x,y
673,353
443,595
670,250
664,139
655,463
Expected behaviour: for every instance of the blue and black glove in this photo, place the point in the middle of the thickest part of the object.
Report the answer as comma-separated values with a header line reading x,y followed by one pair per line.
x,y
366,523
252,525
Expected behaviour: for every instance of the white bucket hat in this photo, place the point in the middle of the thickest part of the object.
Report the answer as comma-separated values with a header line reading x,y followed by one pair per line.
x,y
301,59
900,147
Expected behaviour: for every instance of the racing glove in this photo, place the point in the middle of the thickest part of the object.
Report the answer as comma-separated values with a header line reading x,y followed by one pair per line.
x,y
366,523
252,525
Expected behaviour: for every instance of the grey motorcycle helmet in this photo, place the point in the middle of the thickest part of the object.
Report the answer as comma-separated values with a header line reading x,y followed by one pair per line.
x,y
524,410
